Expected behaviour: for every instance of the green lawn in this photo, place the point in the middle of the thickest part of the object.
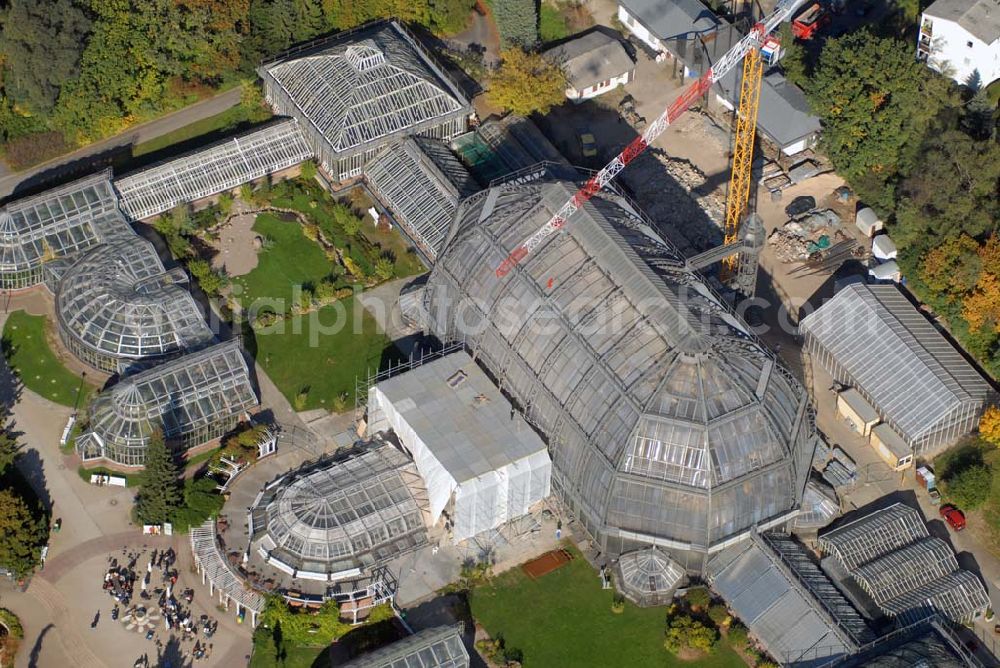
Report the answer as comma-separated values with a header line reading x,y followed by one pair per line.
x,y
228,120
291,259
30,357
564,619
552,25
323,351
296,656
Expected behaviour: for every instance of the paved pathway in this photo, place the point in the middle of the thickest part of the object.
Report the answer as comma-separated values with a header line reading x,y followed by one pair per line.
x,y
77,162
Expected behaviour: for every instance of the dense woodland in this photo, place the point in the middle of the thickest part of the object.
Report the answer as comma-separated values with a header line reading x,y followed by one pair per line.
x,y
77,70
924,153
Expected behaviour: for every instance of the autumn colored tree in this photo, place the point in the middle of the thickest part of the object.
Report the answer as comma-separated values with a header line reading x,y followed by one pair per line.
x,y
989,425
952,267
526,83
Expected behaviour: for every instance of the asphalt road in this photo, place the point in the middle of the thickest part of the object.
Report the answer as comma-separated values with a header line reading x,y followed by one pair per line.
x,y
94,156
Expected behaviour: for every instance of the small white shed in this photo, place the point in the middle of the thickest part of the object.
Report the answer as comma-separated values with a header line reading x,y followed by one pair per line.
x,y
868,221
883,247
887,271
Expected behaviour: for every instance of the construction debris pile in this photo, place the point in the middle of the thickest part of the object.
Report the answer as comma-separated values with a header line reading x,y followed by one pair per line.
x,y
691,217
806,237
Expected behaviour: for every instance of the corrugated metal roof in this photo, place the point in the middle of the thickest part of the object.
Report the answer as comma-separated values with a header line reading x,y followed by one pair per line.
x,y
914,376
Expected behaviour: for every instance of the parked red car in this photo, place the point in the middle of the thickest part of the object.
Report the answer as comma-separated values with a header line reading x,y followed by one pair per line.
x,y
953,516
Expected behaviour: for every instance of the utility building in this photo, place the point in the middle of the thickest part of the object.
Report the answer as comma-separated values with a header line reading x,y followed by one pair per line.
x,y
872,338
594,63
354,92
667,424
482,462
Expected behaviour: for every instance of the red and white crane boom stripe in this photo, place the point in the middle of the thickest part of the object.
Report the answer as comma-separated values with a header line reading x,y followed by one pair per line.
x,y
752,40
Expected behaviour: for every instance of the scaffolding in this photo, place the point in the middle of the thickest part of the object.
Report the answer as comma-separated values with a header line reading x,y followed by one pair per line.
x,y
118,304
213,169
666,422
191,400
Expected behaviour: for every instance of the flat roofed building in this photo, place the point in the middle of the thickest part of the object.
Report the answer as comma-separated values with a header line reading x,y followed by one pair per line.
x,y
421,181
593,63
336,519
892,449
666,423
872,338
437,647
56,224
354,92
855,409
470,445
118,305
213,169
192,400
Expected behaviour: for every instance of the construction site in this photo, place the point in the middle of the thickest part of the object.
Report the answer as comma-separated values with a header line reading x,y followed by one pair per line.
x,y
589,365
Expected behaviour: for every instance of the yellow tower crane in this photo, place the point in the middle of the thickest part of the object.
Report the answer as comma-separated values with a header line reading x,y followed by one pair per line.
x,y
741,175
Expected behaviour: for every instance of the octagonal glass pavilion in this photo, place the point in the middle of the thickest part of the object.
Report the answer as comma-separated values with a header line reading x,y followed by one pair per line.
x,y
667,423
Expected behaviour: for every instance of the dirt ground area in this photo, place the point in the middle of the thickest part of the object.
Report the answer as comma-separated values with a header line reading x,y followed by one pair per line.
x,y
546,563
237,244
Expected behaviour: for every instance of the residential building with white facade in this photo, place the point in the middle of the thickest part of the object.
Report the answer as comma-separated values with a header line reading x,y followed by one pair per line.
x,y
594,63
961,39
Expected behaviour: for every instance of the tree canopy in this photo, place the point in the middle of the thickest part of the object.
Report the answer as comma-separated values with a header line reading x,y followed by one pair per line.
x,y
23,532
159,494
526,83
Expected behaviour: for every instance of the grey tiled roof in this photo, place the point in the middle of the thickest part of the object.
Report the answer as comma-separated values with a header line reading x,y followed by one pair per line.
x,y
590,59
979,17
670,19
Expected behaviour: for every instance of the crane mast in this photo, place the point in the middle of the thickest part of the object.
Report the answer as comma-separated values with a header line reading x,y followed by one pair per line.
x,y
751,42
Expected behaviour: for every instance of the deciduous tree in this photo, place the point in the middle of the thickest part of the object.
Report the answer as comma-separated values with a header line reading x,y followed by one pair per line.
x,y
42,41
526,83
989,425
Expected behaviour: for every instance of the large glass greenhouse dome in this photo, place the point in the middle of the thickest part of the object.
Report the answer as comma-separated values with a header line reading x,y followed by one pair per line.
x,y
667,423
118,304
329,521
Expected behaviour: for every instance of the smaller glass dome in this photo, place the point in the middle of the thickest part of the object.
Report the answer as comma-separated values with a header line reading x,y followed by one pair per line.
x,y
648,576
339,516
118,303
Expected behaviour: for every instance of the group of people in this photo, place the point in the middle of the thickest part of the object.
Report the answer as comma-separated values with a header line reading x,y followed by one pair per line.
x,y
156,587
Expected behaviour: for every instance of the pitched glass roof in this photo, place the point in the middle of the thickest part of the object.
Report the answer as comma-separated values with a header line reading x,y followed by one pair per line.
x,y
365,86
648,572
120,302
651,394
59,222
915,377
179,396
438,647
212,169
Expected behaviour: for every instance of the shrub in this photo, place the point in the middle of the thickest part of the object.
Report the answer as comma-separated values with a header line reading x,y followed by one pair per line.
x,y
301,399
989,425
35,148
738,635
308,170
12,622
684,632
970,487
719,614
384,269
618,605
225,203
698,597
